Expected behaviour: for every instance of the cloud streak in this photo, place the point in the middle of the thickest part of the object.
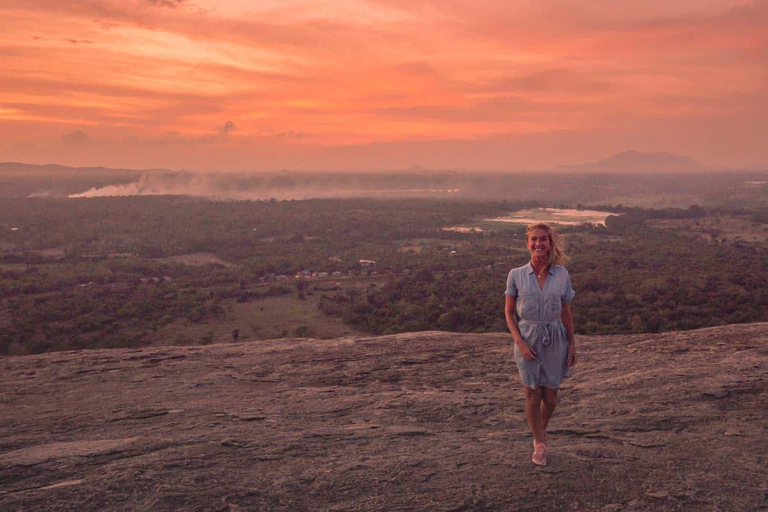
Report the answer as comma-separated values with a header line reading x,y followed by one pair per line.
x,y
76,139
361,72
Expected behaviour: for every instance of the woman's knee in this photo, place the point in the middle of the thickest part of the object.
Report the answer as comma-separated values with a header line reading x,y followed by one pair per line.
x,y
550,401
549,396
533,395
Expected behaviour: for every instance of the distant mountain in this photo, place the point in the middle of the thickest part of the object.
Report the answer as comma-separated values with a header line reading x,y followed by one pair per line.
x,y
51,169
638,162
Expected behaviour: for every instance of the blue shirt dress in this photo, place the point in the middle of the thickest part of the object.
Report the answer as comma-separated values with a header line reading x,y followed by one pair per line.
x,y
538,313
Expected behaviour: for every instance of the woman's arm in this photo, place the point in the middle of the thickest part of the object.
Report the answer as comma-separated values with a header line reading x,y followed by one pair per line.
x,y
567,318
509,312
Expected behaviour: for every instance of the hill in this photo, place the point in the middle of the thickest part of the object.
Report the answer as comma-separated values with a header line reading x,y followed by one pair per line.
x,y
418,421
638,162
21,169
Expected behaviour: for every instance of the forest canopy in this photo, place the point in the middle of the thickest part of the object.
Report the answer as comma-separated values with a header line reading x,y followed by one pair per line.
x,y
113,272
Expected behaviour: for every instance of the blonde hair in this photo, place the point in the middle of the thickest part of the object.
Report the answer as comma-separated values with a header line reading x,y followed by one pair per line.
x,y
556,254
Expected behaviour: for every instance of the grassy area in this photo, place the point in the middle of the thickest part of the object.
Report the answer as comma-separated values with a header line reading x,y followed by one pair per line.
x,y
722,227
268,318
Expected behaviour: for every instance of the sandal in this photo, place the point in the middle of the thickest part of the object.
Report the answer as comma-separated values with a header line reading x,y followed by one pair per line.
x,y
539,456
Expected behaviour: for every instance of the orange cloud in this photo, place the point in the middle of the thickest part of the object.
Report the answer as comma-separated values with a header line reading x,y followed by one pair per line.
x,y
327,84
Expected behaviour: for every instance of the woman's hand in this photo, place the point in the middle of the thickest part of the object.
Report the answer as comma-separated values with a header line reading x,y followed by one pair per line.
x,y
571,356
527,351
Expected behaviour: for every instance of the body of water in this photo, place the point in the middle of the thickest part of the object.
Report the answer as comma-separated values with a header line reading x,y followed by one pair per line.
x,y
555,216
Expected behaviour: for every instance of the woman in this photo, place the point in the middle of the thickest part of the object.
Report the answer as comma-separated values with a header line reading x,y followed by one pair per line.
x,y
539,294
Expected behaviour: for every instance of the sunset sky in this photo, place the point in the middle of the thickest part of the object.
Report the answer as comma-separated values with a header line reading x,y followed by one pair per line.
x,y
381,84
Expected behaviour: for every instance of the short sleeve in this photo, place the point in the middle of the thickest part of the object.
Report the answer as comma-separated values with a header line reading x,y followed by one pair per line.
x,y
511,286
569,293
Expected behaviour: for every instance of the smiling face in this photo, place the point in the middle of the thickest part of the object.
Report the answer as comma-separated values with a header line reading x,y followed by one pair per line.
x,y
539,244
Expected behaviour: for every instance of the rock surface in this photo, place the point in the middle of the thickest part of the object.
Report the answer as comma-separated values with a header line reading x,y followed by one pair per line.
x,y
420,421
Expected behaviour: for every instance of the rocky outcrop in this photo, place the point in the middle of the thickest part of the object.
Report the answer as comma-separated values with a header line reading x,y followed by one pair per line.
x,y
420,421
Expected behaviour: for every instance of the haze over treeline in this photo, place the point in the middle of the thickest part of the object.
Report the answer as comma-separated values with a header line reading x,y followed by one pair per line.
x,y
663,178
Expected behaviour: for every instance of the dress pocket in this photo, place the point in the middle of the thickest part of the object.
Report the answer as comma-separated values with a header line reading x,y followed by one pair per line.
x,y
529,307
553,307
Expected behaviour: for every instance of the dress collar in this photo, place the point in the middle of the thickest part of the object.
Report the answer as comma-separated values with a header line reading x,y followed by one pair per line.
x,y
529,268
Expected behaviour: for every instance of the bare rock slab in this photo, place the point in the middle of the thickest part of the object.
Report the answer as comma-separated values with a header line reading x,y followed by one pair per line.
x,y
421,422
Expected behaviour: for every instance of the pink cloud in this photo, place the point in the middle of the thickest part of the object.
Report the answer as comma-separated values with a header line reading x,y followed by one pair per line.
x,y
393,79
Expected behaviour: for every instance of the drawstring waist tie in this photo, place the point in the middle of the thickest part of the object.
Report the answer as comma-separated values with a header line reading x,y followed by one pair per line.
x,y
544,330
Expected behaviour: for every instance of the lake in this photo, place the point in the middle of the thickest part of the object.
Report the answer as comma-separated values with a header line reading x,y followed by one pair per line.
x,y
567,217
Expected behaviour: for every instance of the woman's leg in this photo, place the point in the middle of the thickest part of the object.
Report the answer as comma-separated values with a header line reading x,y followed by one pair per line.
x,y
533,408
548,404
